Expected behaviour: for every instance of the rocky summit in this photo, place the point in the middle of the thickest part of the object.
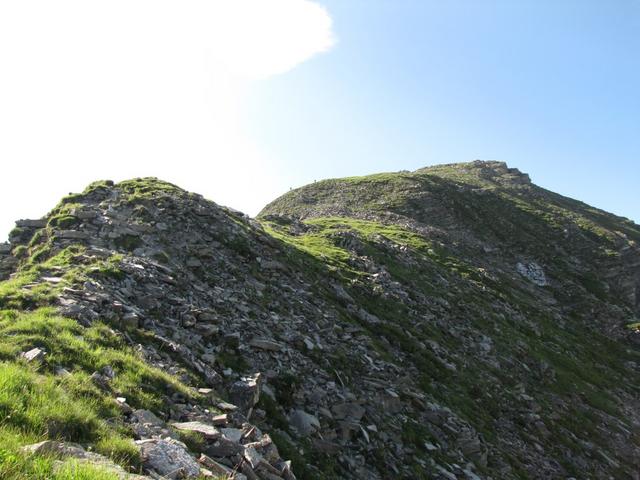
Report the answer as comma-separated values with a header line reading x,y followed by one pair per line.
x,y
456,322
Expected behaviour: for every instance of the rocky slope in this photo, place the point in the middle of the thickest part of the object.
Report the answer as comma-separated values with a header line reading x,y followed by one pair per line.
x,y
453,322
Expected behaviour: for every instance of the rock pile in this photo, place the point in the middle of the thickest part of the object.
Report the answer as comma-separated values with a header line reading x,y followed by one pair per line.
x,y
213,290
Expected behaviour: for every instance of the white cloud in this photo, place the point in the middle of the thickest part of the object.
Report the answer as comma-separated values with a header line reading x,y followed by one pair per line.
x,y
114,89
262,38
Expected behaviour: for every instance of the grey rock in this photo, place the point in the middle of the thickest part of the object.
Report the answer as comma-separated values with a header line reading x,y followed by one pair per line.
x,y
367,317
147,417
252,456
229,407
72,234
348,411
223,448
146,424
245,393
232,434
207,330
84,214
342,294
266,344
470,475
304,423
220,470
52,447
168,458
33,355
533,272
37,223
272,265
209,431
220,420
130,320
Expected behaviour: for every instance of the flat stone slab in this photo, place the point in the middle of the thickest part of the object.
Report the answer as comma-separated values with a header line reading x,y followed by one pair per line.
x,y
219,469
220,420
33,355
52,279
72,234
209,431
26,223
227,407
266,344
232,434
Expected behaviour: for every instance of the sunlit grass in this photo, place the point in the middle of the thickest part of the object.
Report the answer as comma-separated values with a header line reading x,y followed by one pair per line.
x,y
37,404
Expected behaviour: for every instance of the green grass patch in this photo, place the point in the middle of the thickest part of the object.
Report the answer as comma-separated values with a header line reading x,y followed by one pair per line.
x,y
37,404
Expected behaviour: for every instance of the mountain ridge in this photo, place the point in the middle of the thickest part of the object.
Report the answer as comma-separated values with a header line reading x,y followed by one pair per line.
x,y
453,322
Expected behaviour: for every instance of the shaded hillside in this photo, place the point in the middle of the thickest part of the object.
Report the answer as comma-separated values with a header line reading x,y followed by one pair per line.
x,y
454,322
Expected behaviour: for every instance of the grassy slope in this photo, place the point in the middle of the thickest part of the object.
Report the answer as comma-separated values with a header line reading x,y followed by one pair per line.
x,y
38,404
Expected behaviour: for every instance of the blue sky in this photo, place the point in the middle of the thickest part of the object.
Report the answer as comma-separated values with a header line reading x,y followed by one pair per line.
x,y
240,100
550,87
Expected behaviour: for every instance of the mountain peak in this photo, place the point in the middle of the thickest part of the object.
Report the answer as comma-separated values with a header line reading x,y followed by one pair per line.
x,y
401,193
491,170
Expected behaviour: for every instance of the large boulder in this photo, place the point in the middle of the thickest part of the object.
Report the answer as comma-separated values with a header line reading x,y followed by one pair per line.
x,y
168,458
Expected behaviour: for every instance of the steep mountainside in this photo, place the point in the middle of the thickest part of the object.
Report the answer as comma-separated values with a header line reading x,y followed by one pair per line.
x,y
453,322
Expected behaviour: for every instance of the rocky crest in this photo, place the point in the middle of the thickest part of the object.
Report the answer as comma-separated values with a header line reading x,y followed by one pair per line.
x,y
453,322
